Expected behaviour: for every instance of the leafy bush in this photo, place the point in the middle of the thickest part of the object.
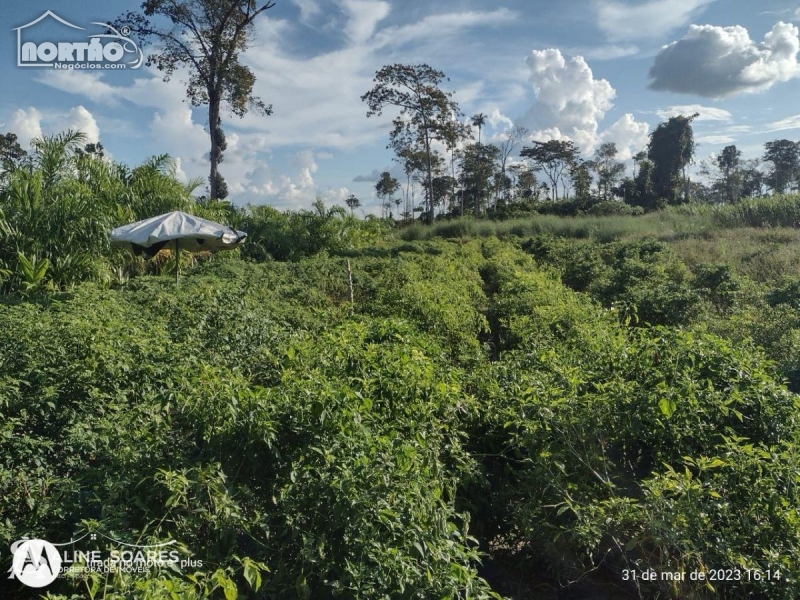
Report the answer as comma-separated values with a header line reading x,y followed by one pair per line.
x,y
614,207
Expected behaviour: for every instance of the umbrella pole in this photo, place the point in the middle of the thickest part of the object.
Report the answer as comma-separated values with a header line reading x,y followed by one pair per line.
x,y
177,263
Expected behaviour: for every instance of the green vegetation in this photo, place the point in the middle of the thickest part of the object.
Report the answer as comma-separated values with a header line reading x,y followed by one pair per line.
x,y
481,409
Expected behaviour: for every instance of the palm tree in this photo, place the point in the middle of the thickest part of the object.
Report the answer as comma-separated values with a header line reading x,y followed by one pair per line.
x,y
479,121
353,203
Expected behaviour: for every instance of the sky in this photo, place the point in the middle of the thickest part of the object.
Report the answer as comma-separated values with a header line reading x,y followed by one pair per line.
x,y
592,71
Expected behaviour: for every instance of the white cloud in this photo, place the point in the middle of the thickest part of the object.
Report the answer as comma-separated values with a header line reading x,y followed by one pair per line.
x,y
78,119
443,25
364,16
571,103
653,19
308,9
786,124
716,61
29,123
26,123
716,140
629,135
706,113
499,121
610,52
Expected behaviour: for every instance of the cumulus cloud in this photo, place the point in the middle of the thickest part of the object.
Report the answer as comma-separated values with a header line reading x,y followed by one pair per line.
x,y
26,123
628,134
716,61
571,103
705,113
78,119
373,177
29,123
644,21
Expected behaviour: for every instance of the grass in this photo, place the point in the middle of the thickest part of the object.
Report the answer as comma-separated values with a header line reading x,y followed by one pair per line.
x,y
758,238
664,225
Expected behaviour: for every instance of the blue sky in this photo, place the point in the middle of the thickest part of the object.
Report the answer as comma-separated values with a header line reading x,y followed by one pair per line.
x,y
587,70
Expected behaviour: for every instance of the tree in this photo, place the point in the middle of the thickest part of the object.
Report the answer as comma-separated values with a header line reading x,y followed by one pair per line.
x,y
454,133
785,158
582,179
752,178
413,162
479,121
352,203
608,168
206,37
425,111
553,158
637,158
478,166
386,188
725,173
527,187
12,156
671,149
507,147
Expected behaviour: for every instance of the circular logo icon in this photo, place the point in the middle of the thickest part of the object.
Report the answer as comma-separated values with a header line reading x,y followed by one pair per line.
x,y
36,563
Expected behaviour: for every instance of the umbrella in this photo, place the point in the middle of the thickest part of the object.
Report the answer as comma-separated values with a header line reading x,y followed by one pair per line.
x,y
187,231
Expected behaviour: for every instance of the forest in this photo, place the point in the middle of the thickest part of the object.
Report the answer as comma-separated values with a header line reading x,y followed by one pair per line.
x,y
531,376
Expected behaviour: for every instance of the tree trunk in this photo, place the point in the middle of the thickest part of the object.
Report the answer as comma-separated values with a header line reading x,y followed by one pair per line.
x,y
213,126
430,177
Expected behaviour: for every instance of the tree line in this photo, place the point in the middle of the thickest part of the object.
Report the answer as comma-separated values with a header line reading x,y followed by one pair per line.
x,y
458,175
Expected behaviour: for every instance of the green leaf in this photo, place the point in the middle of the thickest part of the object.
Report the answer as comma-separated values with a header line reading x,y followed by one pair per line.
x,y
667,407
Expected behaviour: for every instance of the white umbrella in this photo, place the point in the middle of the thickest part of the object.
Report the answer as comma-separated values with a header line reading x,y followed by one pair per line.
x,y
187,231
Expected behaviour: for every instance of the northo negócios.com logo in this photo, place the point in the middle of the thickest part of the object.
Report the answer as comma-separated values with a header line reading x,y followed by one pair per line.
x,y
103,50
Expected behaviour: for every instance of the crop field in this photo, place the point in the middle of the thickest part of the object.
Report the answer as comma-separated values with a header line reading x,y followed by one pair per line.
x,y
463,415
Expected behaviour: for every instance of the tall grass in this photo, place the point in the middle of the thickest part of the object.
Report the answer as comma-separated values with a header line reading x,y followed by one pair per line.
x,y
664,224
775,211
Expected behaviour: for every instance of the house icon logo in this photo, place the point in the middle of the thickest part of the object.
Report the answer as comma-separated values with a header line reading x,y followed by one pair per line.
x,y
108,49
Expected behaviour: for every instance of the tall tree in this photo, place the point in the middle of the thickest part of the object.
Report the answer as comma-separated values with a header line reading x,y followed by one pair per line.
x,y
11,153
386,188
609,170
478,166
554,158
671,149
580,173
507,147
413,162
725,172
454,134
752,178
785,158
479,121
637,158
352,203
425,110
206,37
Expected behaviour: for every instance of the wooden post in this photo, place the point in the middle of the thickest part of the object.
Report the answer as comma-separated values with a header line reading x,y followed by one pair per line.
x,y
177,263
350,282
